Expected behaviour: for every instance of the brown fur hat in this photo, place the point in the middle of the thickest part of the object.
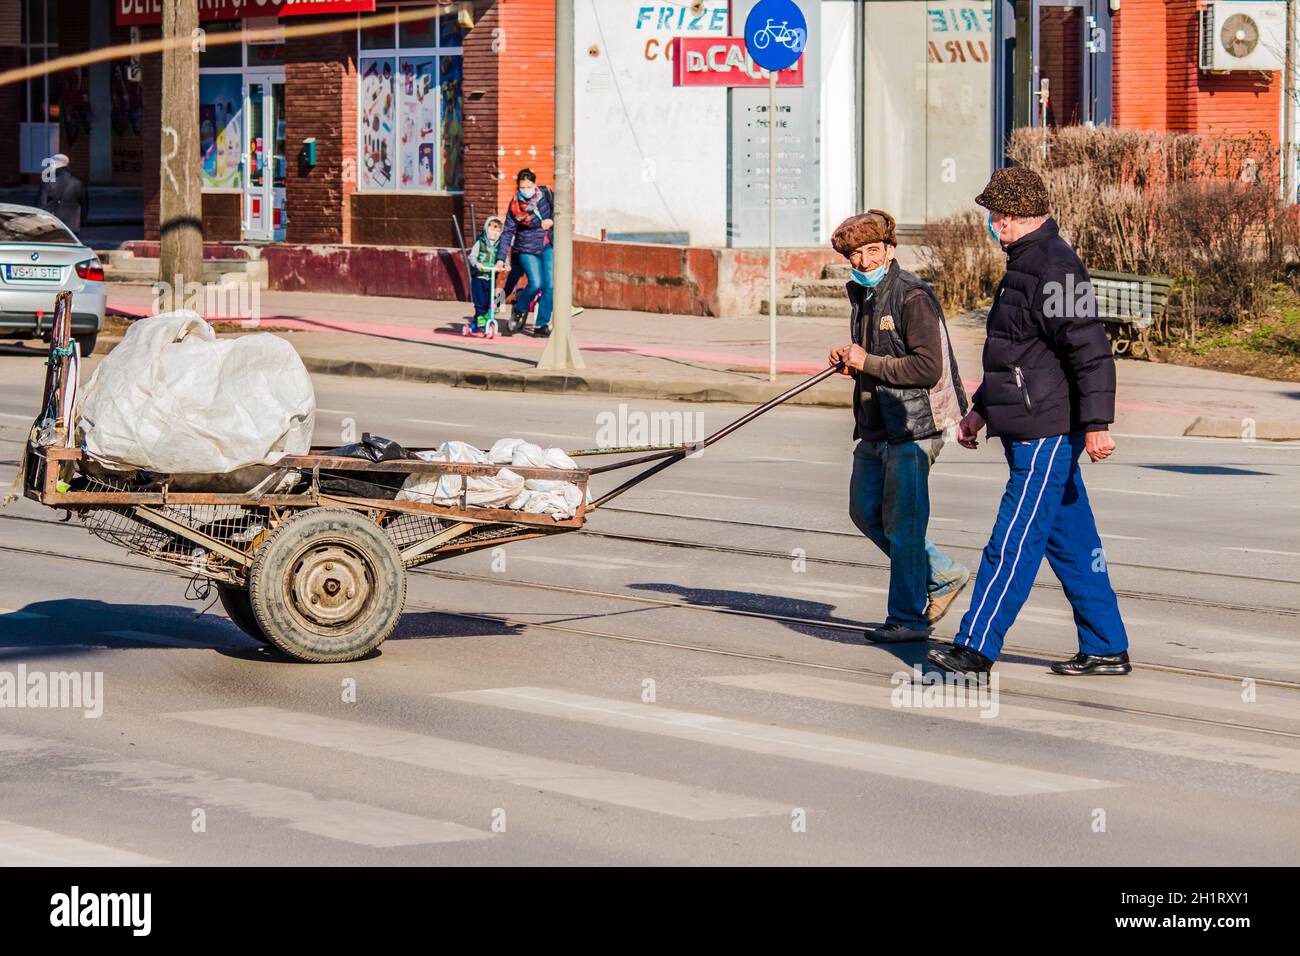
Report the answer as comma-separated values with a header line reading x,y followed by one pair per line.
x,y
874,225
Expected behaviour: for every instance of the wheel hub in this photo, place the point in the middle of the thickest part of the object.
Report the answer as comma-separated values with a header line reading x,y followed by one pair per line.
x,y
331,585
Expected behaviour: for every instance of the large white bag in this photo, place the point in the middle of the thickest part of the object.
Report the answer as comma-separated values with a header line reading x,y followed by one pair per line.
x,y
175,399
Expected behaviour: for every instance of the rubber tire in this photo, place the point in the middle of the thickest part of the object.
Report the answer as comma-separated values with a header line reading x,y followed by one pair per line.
x,y
270,586
87,342
239,609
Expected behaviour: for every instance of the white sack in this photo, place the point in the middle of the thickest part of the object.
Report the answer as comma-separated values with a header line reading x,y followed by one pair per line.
x,y
483,491
175,399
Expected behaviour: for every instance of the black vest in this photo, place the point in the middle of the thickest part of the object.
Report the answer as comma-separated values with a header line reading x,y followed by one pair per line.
x,y
907,413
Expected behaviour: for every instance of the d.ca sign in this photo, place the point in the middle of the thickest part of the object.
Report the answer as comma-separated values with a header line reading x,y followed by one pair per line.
x,y
723,61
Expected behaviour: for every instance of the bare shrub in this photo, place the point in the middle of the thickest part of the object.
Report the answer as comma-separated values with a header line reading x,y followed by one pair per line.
x,y
960,260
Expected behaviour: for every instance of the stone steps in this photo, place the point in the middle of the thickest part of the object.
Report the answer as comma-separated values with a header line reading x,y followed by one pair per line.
x,y
123,266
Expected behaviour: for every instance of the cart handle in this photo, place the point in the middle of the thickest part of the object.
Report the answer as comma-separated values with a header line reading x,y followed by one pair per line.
x,y
672,457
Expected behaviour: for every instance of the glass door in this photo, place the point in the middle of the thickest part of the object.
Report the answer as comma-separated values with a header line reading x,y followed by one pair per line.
x,y
264,157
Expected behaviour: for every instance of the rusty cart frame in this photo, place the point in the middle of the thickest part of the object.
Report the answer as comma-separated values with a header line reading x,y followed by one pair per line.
x,y
317,574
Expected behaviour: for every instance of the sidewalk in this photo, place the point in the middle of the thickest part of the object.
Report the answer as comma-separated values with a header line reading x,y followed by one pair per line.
x,y
686,358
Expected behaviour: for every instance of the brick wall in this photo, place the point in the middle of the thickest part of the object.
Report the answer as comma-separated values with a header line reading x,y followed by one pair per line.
x,y
321,101
1139,64
509,100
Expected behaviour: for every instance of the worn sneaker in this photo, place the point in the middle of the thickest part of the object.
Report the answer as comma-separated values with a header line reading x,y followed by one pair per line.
x,y
542,332
938,604
895,634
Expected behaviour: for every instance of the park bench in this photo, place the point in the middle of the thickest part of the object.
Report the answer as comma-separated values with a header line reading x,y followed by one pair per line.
x,y
1129,305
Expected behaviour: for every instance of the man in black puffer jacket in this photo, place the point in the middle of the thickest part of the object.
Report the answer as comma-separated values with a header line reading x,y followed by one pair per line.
x,y
1049,394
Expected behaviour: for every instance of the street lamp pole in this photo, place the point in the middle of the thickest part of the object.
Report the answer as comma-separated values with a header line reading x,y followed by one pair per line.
x,y
561,351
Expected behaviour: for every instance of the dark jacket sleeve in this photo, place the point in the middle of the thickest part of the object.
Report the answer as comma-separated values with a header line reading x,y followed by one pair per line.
x,y
977,402
922,366
507,238
1067,311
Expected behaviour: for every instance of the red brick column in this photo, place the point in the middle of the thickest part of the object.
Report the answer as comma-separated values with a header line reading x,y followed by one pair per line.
x,y
321,101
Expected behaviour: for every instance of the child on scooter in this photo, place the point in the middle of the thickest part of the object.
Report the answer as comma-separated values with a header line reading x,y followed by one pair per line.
x,y
483,258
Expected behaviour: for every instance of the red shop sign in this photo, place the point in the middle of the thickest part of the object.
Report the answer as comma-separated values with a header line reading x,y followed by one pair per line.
x,y
723,61
149,12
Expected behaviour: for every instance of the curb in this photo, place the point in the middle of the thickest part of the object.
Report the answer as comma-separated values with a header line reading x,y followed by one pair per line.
x,y
555,383
745,393
1244,429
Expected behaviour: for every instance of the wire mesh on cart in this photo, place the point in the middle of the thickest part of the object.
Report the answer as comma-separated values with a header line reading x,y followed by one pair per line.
x,y
234,525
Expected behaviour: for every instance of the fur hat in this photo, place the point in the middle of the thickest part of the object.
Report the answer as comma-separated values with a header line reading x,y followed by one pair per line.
x,y
874,225
1015,191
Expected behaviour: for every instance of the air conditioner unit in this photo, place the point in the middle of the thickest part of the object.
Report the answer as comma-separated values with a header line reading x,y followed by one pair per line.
x,y
1243,35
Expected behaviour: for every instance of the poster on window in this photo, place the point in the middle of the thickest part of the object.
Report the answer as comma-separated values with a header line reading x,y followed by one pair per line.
x,y
221,131
378,121
419,111
453,127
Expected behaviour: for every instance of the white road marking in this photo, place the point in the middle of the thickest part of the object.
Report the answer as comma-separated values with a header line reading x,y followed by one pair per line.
x,y
701,494
600,563
1120,537
1148,691
1121,732
1118,491
797,461
333,411
21,418
1288,554
843,752
1260,443
1288,662
452,756
9,614
432,421
826,590
30,846
336,819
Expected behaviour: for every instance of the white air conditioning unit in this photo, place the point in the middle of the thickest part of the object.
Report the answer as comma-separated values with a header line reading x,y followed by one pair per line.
x,y
1243,35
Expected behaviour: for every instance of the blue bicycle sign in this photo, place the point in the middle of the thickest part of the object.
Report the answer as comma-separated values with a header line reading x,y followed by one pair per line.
x,y
776,33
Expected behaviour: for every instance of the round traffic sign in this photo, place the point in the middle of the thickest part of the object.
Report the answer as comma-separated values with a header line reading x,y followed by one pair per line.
x,y
775,34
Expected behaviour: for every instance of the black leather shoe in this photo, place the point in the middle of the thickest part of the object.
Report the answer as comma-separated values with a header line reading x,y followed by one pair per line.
x,y
896,634
958,659
1081,664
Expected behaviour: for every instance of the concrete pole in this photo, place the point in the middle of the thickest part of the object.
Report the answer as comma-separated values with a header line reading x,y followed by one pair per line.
x,y
771,226
180,197
561,350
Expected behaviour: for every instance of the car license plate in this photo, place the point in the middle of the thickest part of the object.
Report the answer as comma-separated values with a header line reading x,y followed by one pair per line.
x,y
51,273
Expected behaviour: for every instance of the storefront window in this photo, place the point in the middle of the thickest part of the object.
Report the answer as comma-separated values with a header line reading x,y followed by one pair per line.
x,y
221,55
927,89
221,134
409,127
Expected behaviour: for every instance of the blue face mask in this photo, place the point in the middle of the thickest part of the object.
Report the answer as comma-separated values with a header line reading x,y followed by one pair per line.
x,y
869,279
527,192
988,224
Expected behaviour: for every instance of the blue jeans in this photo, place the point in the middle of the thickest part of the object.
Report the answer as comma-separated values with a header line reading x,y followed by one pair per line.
x,y
889,501
1044,511
480,290
538,268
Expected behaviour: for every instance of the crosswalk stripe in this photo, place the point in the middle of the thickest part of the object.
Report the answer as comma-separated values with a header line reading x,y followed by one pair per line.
x,y
843,752
452,756
1087,729
29,846
1147,691
337,819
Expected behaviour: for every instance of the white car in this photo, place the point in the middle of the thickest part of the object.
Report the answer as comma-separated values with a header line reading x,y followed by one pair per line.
x,y
39,258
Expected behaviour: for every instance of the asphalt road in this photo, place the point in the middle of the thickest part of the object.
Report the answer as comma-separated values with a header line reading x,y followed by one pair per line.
x,y
684,682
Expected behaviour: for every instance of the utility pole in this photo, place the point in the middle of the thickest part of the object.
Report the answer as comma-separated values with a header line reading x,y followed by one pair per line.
x,y
561,351
180,198
771,225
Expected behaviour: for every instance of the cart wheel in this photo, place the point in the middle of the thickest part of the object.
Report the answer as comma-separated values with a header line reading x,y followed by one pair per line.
x,y
464,329
491,330
240,611
327,586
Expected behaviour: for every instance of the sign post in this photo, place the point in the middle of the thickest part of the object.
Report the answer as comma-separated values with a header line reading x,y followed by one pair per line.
x,y
776,33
